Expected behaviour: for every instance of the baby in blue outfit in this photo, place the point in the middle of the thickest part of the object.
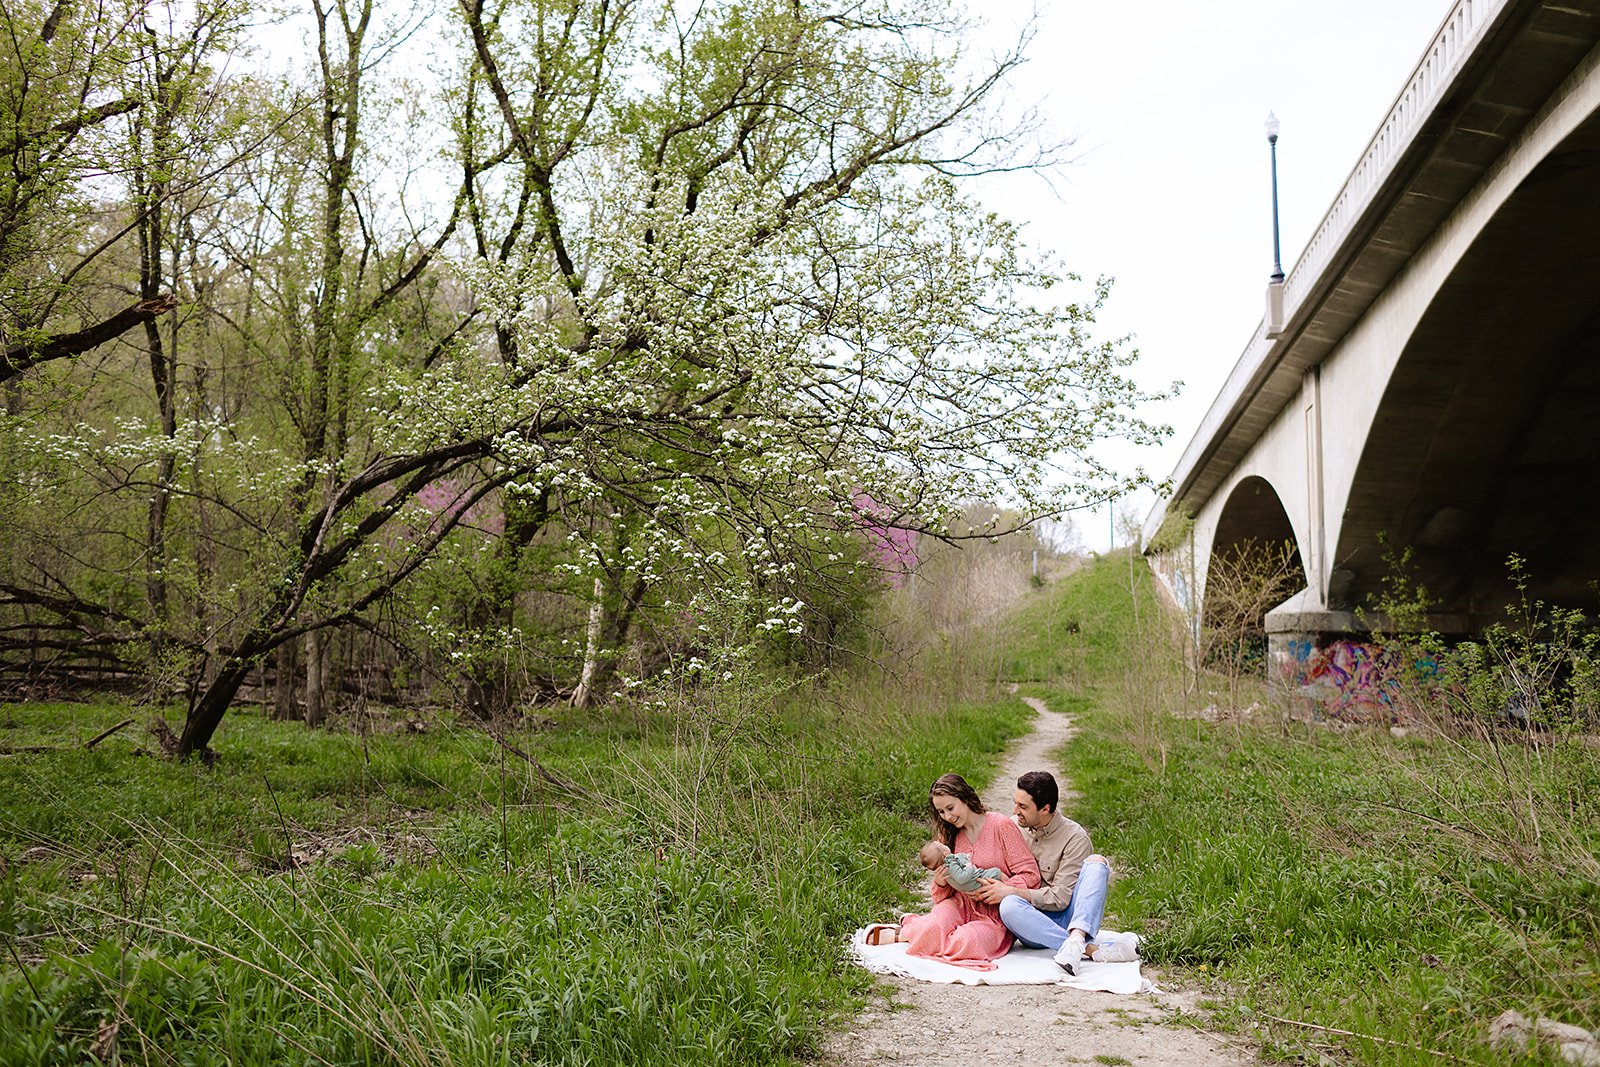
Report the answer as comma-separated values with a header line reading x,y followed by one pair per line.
x,y
960,872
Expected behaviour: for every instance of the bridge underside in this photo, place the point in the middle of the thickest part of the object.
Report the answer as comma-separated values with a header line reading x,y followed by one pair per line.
x,y
1487,438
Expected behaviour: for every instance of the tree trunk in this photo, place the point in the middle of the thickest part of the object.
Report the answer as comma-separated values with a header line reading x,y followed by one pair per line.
x,y
207,713
163,374
209,709
285,705
491,689
600,665
584,694
316,675
151,189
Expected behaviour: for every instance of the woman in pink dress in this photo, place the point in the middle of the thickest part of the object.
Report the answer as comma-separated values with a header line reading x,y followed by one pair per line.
x,y
960,929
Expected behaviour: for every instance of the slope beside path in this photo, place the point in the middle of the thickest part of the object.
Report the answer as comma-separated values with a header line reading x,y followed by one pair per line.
x,y
916,1023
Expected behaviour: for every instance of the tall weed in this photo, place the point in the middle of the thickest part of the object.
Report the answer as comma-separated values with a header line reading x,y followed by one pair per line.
x,y
1514,708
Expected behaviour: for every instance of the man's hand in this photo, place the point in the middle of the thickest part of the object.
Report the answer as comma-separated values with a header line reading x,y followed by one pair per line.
x,y
993,891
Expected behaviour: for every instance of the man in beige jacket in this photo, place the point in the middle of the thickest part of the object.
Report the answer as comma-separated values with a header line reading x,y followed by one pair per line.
x,y
1064,912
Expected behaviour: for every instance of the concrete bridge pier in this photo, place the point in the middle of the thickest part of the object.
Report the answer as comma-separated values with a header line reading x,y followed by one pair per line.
x,y
1307,639
1298,627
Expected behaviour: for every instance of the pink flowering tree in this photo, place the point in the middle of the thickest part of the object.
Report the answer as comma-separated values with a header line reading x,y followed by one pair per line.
x,y
891,548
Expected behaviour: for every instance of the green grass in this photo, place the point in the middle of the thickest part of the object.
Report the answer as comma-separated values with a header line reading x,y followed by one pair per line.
x,y
1076,628
1406,889
687,905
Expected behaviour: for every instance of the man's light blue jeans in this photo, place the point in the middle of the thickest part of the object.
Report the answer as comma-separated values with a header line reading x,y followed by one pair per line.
x,y
1048,929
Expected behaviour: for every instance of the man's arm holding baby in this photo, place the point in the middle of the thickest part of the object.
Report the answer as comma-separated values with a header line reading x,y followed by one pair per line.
x,y
1055,893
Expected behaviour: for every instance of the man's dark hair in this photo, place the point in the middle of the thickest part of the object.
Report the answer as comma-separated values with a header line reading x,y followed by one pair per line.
x,y
1041,786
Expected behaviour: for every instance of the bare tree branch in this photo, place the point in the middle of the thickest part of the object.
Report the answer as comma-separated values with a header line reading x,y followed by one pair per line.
x,y
25,356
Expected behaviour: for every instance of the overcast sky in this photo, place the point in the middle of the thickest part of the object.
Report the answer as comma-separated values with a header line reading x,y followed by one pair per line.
x,y
1170,191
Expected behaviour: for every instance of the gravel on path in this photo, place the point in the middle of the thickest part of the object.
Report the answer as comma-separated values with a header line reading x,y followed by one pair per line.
x,y
917,1023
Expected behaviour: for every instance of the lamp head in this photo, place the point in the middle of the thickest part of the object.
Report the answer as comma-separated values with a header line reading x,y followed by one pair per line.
x,y
1272,128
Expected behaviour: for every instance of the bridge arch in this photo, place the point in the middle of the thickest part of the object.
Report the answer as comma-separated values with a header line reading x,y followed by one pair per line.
x,y
1486,440
1254,561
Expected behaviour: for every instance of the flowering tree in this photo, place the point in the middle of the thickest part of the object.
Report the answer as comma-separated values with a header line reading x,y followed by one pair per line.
x,y
892,549
724,284
752,291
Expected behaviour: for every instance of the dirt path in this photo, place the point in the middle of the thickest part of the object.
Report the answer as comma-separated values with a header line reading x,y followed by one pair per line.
x,y
920,1023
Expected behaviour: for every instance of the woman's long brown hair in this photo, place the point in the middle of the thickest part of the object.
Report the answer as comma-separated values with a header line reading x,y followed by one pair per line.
x,y
951,785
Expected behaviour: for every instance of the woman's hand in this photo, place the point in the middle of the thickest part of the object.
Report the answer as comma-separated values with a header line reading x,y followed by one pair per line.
x,y
941,876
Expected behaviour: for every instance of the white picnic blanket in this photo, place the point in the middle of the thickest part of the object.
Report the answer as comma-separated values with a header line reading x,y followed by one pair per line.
x,y
1020,966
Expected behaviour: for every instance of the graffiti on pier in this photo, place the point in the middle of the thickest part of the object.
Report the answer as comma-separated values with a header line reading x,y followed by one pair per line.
x,y
1353,680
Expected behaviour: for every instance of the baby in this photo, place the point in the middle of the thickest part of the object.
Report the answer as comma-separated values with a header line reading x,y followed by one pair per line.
x,y
960,872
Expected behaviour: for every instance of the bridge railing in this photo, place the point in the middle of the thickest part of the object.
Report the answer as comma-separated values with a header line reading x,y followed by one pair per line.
x,y
1451,45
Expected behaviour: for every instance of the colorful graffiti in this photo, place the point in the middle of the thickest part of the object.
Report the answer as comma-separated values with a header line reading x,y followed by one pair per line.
x,y
1352,680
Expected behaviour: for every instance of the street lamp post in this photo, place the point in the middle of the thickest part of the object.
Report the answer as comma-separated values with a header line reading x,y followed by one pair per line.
x,y
1274,318
1272,139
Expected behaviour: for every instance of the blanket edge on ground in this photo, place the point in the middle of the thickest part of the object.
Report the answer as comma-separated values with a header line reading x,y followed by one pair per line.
x,y
1020,966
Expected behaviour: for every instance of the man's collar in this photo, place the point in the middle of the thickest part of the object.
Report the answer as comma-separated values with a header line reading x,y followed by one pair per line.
x,y
1055,823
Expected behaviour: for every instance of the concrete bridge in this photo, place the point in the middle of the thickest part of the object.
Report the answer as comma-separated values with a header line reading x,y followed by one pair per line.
x,y
1429,372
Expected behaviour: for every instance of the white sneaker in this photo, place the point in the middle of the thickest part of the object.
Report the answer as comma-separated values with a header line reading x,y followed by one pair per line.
x,y
1070,955
1124,948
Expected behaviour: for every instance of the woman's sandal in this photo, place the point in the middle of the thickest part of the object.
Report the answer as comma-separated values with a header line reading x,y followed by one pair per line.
x,y
883,933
